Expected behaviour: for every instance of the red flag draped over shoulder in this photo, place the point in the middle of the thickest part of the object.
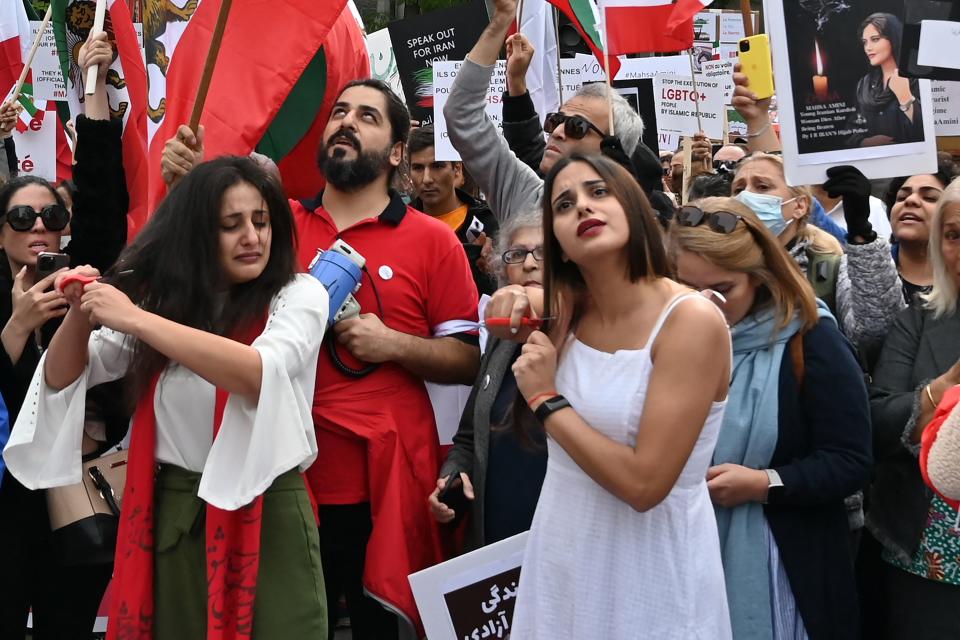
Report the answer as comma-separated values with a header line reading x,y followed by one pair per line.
x,y
266,47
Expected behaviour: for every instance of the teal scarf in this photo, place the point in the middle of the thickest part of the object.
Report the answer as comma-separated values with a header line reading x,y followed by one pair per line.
x,y
748,437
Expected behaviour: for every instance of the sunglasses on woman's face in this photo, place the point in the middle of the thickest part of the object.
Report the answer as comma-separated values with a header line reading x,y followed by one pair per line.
x,y
22,217
720,221
575,127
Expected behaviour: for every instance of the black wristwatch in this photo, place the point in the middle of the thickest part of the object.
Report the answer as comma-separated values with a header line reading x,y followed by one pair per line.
x,y
549,406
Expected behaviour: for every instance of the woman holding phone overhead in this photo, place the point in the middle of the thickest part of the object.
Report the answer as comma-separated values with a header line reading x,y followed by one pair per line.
x,y
219,341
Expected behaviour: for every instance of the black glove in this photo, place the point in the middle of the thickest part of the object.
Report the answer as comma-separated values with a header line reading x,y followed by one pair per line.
x,y
848,183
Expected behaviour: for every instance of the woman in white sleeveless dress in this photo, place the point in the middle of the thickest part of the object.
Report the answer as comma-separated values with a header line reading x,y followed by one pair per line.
x,y
624,540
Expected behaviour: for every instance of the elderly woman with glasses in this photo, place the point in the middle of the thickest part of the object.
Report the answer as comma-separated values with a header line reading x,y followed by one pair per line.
x,y
501,474
795,438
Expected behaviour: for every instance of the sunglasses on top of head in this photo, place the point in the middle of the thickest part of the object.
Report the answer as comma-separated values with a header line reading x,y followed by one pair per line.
x,y
576,127
22,217
720,221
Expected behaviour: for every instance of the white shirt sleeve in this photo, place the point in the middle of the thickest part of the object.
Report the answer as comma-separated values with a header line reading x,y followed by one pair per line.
x,y
44,449
261,439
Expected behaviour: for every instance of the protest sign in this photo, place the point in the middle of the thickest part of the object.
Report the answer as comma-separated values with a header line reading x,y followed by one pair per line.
x,y
677,105
578,71
419,41
830,91
639,94
383,61
731,26
637,68
48,81
37,146
444,73
720,70
705,27
946,107
473,595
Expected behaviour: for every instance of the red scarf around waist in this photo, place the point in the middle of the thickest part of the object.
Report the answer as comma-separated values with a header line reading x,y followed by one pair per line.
x,y
233,542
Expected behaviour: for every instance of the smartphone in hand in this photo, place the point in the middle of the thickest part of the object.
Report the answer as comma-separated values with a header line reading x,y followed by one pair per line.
x,y
48,263
756,65
454,497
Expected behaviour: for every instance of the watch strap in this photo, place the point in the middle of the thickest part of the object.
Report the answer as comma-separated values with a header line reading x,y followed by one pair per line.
x,y
549,406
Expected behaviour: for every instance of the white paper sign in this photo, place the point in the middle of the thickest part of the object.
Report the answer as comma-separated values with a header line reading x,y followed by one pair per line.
x,y
492,571
719,70
383,63
677,106
731,27
444,73
939,43
48,81
37,147
577,71
946,107
639,68
705,27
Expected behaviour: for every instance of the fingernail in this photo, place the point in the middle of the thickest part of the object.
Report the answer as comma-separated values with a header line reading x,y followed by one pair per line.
x,y
514,330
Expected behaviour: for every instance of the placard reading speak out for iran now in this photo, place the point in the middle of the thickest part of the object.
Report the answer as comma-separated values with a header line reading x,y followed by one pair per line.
x,y
677,105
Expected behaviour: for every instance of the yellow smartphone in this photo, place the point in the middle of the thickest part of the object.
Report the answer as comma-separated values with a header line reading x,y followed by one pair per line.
x,y
755,63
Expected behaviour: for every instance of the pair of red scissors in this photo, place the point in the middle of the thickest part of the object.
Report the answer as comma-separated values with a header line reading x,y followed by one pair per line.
x,y
532,323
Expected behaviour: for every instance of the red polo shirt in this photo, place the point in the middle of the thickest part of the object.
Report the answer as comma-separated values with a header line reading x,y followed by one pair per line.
x,y
418,268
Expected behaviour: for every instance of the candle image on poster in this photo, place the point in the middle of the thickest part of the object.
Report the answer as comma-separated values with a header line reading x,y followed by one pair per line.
x,y
847,94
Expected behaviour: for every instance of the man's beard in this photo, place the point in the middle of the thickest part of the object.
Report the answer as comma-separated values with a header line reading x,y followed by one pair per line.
x,y
352,175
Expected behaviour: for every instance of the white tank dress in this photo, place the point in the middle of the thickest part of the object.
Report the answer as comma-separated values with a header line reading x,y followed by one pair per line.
x,y
593,566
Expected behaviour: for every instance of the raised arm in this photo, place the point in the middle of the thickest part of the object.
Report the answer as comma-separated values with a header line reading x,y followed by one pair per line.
x,y
760,133
694,343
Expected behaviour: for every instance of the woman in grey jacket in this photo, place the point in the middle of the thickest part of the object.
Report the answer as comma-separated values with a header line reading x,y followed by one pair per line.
x,y
501,474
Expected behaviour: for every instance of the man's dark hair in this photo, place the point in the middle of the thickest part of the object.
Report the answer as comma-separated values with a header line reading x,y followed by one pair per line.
x,y
420,138
397,112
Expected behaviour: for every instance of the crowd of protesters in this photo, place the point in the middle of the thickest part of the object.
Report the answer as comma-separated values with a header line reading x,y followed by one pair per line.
x,y
721,403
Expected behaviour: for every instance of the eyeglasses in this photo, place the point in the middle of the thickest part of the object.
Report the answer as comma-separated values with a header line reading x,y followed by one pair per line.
x,y
516,256
720,221
22,217
574,126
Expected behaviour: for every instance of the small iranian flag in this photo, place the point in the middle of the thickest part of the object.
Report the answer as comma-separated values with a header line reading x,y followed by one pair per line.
x,y
650,26
585,18
126,83
15,42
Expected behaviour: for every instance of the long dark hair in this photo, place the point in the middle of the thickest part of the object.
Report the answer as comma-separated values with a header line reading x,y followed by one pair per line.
x,y
10,188
175,259
564,289
889,27
563,285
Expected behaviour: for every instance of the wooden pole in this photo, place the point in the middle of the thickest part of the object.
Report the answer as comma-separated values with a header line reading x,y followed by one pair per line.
x,y
687,167
696,92
726,127
209,65
33,52
606,67
747,14
520,17
98,19
556,32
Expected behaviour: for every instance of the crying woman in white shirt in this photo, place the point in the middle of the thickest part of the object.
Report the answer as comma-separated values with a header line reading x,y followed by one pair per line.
x,y
217,337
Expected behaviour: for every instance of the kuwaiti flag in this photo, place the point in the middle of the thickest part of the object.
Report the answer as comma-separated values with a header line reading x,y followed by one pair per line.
x,y
15,43
126,84
649,26
267,47
585,18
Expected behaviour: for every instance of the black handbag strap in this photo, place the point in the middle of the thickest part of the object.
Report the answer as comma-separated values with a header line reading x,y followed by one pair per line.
x,y
106,491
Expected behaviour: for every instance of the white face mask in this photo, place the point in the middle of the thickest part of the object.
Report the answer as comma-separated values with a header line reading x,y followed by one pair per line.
x,y
768,208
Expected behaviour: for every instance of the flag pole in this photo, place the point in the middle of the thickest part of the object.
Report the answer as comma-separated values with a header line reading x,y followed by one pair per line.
x,y
556,32
606,66
209,65
747,14
696,92
98,19
520,17
33,51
